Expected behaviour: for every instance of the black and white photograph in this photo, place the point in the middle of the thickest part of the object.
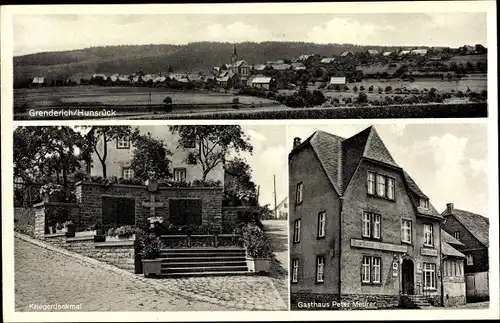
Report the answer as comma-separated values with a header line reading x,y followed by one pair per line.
x,y
150,218
389,216
250,66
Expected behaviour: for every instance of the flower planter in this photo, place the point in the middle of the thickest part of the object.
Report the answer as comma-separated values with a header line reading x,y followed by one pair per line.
x,y
117,238
259,265
151,267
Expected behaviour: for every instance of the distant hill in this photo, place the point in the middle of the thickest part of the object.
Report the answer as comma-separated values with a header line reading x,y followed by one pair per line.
x,y
157,58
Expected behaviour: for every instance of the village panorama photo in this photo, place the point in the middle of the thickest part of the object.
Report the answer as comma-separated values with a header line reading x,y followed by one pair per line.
x,y
389,216
250,66
150,218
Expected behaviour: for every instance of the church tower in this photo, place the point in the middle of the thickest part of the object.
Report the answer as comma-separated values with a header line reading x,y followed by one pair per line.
x,y
234,57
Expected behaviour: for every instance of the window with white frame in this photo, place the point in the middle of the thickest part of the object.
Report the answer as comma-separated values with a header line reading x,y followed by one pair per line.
x,y
428,235
371,269
295,271
406,231
470,260
390,188
296,231
460,268
456,234
367,225
180,174
321,224
424,203
371,183
300,191
320,268
127,172
381,185
371,225
123,142
429,273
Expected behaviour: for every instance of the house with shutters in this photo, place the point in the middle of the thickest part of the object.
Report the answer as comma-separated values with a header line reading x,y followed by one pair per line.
x,y
472,231
360,227
120,153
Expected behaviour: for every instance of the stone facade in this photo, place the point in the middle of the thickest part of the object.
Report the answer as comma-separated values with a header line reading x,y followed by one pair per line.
x,y
453,291
120,254
89,197
49,212
231,215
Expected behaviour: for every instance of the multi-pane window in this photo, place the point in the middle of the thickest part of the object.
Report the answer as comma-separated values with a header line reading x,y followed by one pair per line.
x,y
180,174
320,268
127,173
429,272
321,224
371,225
123,142
424,203
300,191
370,269
459,268
296,231
371,183
456,234
406,231
295,270
454,268
428,235
390,188
470,260
381,185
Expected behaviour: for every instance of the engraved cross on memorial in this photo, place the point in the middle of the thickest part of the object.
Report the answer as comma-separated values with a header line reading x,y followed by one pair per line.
x,y
152,205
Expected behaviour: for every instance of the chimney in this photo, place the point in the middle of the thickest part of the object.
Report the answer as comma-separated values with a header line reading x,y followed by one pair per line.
x,y
449,207
296,142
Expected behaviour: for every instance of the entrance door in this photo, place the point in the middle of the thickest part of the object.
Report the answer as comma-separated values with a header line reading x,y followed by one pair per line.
x,y
407,275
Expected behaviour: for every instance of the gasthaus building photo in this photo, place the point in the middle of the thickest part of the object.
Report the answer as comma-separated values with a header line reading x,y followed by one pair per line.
x,y
362,233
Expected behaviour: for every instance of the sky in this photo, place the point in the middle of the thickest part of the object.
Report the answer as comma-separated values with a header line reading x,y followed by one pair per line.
x,y
449,162
35,33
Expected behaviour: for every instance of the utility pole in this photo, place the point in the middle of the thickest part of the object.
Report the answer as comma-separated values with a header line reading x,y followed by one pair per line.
x,y
275,205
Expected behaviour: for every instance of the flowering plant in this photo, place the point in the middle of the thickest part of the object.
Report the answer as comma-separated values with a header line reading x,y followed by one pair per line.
x,y
51,189
246,195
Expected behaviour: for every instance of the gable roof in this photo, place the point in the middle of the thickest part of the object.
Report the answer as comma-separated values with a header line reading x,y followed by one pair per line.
x,y
340,158
448,238
260,79
478,225
344,54
372,52
448,250
338,80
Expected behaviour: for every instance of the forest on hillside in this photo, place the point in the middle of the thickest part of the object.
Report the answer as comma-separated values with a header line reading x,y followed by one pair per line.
x,y
192,57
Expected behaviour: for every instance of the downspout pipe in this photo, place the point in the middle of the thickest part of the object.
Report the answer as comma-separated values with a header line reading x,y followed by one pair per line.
x,y
340,247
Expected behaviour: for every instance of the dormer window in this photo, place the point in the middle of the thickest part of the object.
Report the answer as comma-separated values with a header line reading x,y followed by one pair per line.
x,y
424,203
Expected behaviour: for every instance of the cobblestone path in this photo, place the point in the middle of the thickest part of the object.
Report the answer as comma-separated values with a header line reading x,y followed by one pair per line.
x,y
45,277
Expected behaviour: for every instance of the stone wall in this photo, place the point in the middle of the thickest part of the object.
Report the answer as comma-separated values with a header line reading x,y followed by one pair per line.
x,y
118,253
49,212
89,197
230,216
453,290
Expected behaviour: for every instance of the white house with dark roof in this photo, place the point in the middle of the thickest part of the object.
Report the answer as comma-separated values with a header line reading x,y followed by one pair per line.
x,y
38,80
338,80
263,82
372,52
327,60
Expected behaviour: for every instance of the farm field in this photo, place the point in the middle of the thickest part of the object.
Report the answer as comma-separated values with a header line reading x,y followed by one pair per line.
x,y
93,95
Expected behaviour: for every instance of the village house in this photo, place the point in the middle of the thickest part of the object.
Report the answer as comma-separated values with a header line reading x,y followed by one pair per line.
x,y
472,230
120,153
360,227
327,60
386,54
38,81
338,80
404,52
347,54
259,67
420,52
262,82
453,271
298,66
281,210
372,52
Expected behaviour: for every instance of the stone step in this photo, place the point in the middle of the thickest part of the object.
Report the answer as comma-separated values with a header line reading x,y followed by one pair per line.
x,y
201,254
206,273
187,270
169,259
204,264
202,250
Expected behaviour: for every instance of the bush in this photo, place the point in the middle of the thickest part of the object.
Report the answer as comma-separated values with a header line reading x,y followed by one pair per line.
x,y
167,100
362,97
388,89
361,88
124,231
370,89
355,88
256,242
150,247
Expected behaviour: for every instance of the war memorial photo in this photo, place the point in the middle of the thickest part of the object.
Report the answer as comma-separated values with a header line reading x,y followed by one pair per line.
x,y
150,218
250,66
390,216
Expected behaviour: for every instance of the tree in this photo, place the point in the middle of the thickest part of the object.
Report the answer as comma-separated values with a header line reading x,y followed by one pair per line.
x,y
170,69
150,156
362,97
46,151
97,139
238,178
212,144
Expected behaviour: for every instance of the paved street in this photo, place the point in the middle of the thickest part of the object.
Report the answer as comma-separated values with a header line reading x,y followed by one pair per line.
x,y
277,231
46,277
